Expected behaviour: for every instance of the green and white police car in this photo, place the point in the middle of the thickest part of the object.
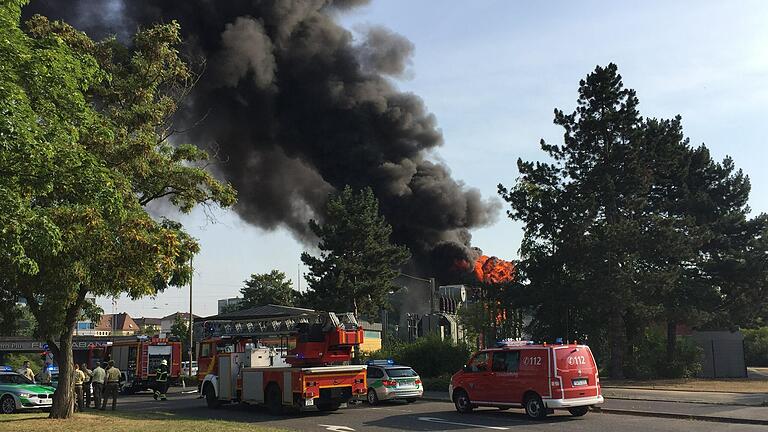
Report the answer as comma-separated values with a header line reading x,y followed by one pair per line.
x,y
19,393
386,381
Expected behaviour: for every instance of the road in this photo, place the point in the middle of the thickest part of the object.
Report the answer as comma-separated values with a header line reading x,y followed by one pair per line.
x,y
420,416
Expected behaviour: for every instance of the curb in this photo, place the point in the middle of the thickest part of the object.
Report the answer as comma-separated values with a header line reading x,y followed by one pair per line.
x,y
681,390
688,402
714,419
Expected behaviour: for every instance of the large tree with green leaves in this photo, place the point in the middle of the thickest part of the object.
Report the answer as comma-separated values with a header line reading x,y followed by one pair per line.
x,y
357,261
628,224
84,147
267,288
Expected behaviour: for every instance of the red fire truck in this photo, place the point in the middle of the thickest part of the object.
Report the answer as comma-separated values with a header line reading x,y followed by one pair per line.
x,y
239,361
138,357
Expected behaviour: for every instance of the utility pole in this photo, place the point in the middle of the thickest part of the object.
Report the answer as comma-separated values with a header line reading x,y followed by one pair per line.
x,y
191,346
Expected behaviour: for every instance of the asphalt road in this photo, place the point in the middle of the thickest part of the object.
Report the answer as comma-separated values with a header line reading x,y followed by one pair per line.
x,y
420,416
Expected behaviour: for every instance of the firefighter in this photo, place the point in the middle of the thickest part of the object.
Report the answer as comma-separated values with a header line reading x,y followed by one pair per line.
x,y
78,378
26,371
97,380
87,384
161,380
111,386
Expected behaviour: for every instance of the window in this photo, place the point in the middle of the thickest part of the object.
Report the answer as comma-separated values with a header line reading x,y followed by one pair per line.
x,y
479,363
375,373
372,334
205,351
401,373
506,361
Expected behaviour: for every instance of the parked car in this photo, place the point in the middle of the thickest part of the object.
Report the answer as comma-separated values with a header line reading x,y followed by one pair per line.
x,y
18,393
387,381
185,368
537,377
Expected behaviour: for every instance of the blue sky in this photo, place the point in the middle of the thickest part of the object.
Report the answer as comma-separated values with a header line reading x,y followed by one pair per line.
x,y
493,71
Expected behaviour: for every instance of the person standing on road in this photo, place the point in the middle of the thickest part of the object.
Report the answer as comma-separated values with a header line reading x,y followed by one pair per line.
x,y
78,378
111,386
45,375
97,380
87,384
26,371
161,380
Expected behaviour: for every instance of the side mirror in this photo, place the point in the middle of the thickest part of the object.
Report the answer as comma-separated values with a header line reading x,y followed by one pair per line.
x,y
466,368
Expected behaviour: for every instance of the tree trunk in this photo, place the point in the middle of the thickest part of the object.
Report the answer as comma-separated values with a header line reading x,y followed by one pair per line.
x,y
671,342
616,336
63,398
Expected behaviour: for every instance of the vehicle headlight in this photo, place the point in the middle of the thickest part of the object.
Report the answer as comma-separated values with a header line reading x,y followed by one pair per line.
x,y
24,395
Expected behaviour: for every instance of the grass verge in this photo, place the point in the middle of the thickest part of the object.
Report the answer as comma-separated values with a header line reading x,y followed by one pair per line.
x,y
693,384
113,422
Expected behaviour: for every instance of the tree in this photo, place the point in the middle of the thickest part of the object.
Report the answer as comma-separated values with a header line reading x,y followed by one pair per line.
x,y
357,262
628,225
84,149
180,328
267,288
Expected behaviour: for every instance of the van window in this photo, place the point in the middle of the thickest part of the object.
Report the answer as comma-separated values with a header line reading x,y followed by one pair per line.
x,y
479,363
205,351
506,361
578,358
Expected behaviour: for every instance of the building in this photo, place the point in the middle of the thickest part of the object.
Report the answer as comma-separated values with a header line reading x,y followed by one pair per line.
x,y
166,322
86,327
148,326
227,304
120,324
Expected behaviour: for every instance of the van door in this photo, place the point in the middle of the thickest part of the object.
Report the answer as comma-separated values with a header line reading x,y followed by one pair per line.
x,y
577,371
505,375
476,378
534,372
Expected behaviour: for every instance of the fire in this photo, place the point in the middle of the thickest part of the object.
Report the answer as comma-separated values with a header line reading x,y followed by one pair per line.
x,y
494,270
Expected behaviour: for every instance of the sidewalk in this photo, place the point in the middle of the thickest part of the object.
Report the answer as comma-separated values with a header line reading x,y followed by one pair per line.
x,y
717,407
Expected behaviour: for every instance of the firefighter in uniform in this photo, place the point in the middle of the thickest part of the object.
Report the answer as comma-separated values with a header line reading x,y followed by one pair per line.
x,y
87,384
78,378
111,386
161,380
97,380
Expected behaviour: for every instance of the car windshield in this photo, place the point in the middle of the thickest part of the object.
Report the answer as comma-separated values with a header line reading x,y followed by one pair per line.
x,y
401,372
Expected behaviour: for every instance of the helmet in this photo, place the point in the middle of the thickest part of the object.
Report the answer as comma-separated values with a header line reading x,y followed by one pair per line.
x,y
164,362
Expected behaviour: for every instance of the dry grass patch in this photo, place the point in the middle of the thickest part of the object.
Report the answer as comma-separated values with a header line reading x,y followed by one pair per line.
x,y
39,422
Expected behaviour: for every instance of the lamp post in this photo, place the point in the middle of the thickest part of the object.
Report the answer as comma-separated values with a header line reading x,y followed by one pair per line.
x,y
191,347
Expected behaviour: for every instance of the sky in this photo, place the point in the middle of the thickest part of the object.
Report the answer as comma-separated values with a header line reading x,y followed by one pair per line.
x,y
492,72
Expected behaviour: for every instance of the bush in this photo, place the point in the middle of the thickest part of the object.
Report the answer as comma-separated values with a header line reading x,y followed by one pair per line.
x,y
756,346
429,356
648,357
437,383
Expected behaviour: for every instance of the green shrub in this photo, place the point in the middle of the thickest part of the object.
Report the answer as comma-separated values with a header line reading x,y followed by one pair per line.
x,y
756,346
437,383
428,356
648,357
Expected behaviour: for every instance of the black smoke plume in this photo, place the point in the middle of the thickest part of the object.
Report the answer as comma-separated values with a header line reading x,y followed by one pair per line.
x,y
299,108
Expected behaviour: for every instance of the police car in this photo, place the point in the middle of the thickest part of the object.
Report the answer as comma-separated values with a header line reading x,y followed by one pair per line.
x,y
17,392
386,381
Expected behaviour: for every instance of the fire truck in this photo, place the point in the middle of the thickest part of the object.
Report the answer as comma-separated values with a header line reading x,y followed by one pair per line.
x,y
138,358
285,363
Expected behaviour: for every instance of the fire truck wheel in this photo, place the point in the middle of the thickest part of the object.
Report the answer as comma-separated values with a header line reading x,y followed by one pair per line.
x,y
210,397
578,411
274,399
462,402
373,399
534,406
328,406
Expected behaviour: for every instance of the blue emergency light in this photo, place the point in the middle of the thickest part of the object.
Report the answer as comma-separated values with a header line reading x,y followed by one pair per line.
x,y
6,369
512,343
388,362
559,341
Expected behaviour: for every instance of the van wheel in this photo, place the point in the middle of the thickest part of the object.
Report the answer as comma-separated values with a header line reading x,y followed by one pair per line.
x,y
328,406
372,397
462,402
210,397
8,405
534,407
578,411
274,400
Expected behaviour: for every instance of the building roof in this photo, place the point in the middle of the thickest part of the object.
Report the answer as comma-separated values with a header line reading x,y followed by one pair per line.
x,y
184,315
263,311
148,321
117,322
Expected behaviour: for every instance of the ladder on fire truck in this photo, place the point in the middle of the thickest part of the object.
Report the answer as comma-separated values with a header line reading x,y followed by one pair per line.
x,y
278,326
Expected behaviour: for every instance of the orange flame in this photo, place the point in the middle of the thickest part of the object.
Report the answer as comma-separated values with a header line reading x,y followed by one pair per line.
x,y
494,270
